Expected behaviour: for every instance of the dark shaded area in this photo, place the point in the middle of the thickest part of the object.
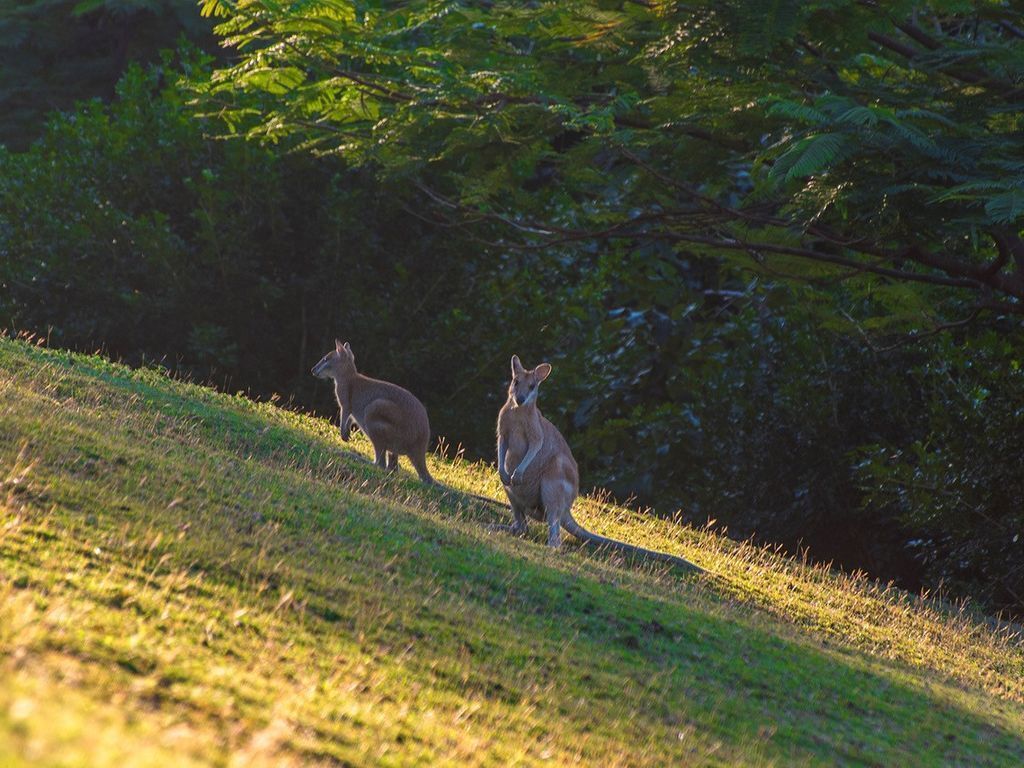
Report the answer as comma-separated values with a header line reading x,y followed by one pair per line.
x,y
54,53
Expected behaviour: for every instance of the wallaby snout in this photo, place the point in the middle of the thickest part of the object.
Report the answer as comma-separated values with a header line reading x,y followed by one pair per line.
x,y
523,389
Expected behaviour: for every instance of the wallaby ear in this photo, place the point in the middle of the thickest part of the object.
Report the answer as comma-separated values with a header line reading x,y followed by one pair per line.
x,y
543,371
338,346
517,367
349,350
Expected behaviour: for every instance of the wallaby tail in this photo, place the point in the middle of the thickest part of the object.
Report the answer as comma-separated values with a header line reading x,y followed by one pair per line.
x,y
584,535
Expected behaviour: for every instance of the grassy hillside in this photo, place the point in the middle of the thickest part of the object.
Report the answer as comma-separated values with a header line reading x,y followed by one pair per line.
x,y
188,578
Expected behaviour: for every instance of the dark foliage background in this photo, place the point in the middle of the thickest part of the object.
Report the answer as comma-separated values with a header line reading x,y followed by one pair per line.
x,y
780,408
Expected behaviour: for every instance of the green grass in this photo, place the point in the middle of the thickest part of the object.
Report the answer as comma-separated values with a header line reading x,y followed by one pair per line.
x,y
188,578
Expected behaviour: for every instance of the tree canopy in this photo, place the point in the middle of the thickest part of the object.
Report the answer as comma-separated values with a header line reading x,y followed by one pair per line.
x,y
817,141
56,52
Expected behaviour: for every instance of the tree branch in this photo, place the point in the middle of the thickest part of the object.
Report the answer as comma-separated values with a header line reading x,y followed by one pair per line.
x,y
828,258
935,331
1012,29
958,274
969,76
1010,245
893,45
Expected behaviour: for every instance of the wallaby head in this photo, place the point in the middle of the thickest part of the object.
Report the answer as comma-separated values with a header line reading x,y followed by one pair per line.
x,y
525,384
336,363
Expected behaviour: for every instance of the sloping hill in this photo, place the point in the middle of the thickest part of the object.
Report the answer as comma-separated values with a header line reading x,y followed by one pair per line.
x,y
188,578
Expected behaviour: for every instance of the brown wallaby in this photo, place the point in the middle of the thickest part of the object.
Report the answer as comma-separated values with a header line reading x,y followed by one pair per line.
x,y
391,416
538,471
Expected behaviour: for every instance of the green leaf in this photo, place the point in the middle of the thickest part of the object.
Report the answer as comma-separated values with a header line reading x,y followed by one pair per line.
x,y
1007,207
210,8
87,6
808,156
796,111
861,116
274,80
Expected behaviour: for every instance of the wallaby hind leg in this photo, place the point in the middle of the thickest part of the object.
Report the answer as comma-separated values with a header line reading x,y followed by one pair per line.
x,y
392,461
378,421
519,518
556,497
554,519
518,527
419,463
378,457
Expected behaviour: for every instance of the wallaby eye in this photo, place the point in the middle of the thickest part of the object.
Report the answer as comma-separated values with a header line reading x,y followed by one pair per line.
x,y
533,386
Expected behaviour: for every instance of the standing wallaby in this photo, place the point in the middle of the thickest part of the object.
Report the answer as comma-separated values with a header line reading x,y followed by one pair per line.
x,y
394,420
538,470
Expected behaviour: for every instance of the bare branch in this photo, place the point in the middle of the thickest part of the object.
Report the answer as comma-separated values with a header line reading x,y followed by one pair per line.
x,y
935,331
1012,29
957,273
969,76
807,253
893,45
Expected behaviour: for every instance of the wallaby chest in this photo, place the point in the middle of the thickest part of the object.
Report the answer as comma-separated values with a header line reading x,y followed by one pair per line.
x,y
518,430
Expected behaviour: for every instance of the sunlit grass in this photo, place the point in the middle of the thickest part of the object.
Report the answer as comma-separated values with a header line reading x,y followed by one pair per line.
x,y
190,578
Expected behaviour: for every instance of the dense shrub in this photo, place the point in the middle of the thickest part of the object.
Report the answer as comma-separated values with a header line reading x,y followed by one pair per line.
x,y
126,226
955,476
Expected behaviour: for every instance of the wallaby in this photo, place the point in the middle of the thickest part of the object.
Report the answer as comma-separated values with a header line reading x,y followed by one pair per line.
x,y
539,472
391,416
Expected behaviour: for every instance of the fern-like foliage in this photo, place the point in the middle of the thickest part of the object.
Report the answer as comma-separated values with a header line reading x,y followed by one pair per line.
x,y
808,156
805,127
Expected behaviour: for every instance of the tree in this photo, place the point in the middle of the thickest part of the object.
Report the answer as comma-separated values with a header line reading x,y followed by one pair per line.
x,y
817,141
56,52
866,155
